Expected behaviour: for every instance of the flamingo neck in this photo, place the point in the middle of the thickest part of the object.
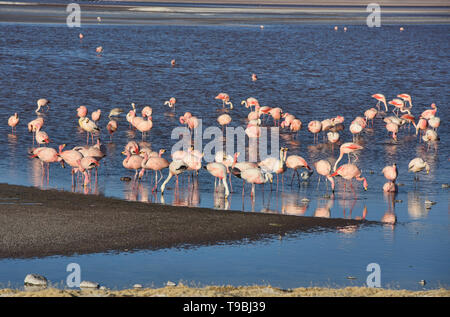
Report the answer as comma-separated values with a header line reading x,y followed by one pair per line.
x,y
337,161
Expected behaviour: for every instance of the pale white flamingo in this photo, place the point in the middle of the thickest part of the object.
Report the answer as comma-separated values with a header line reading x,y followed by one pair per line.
x,y
13,121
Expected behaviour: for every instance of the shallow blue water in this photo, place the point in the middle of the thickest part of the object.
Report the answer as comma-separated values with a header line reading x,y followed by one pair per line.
x,y
309,71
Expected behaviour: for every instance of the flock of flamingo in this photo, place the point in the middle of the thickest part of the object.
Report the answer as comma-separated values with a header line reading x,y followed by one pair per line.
x,y
139,157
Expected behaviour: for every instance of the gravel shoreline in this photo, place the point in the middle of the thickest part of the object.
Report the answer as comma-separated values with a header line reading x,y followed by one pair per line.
x,y
229,291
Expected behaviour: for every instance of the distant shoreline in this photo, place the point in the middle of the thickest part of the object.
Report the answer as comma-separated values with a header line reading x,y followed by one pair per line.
x,y
226,13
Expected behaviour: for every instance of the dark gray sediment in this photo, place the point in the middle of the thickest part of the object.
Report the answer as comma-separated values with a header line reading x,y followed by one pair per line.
x,y
38,223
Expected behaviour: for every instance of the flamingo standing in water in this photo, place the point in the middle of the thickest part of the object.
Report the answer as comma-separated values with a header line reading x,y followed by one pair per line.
x,y
416,165
390,172
145,126
41,137
156,164
315,127
348,172
380,98
255,176
296,162
393,128
347,148
251,102
70,157
13,121
176,167
225,99
421,125
224,120
132,162
274,165
323,168
42,103
219,170
35,125
275,113
171,103
370,114
88,126
427,114
406,98
46,155
111,127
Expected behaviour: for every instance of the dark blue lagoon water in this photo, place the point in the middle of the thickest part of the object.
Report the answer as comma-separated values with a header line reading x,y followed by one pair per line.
x,y
310,71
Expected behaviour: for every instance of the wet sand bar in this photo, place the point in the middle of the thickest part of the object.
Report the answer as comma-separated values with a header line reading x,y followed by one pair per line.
x,y
38,223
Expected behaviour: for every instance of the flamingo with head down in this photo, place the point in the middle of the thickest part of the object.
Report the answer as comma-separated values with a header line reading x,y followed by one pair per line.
x,y
225,99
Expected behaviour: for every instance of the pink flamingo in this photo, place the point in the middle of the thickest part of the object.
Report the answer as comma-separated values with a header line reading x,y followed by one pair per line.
x,y
46,155
41,137
224,120
35,125
156,164
147,111
421,125
276,115
13,121
370,114
219,170
132,162
250,102
96,115
111,127
296,125
355,129
88,163
390,172
393,128
173,62
427,114
176,167
42,103
99,50
348,148
145,126
254,77
82,111
70,157
405,98
171,103
333,137
399,105
314,127
225,99
382,99
81,36
348,172
434,122
132,147
296,162
255,176
408,118
323,168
